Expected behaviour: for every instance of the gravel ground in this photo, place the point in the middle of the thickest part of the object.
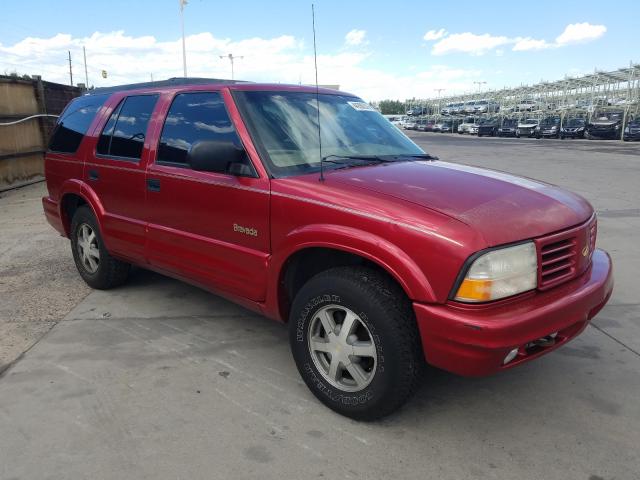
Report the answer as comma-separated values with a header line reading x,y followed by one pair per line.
x,y
39,284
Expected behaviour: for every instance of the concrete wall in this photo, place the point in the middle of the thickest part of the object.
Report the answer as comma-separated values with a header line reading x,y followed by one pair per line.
x,y
22,146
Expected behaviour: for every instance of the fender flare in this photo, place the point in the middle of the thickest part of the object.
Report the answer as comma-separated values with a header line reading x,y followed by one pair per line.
x,y
374,248
84,191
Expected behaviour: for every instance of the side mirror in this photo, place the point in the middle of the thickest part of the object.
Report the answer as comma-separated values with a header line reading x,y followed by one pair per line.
x,y
220,157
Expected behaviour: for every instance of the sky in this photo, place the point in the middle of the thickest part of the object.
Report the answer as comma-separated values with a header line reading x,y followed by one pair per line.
x,y
374,49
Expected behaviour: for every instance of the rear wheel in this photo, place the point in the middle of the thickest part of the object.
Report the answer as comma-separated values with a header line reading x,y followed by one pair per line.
x,y
94,263
355,341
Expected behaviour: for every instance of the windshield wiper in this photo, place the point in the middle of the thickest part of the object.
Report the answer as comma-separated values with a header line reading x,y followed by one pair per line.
x,y
366,158
334,159
416,156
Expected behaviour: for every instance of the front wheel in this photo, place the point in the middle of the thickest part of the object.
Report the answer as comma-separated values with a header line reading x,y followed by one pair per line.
x,y
355,342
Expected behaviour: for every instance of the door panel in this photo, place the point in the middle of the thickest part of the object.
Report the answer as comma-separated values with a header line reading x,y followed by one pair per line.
x,y
207,226
119,180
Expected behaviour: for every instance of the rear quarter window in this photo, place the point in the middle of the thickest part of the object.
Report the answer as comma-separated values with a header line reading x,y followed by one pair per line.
x,y
74,123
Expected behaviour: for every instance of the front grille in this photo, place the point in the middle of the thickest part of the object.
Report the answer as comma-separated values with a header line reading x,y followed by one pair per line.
x,y
565,255
557,262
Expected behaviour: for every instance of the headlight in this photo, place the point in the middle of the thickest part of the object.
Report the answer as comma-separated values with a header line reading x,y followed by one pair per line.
x,y
500,273
626,130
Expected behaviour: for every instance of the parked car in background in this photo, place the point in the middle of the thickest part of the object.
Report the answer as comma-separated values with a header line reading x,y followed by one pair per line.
x,y
486,106
573,128
508,128
446,110
416,111
458,108
467,125
488,127
428,127
468,107
527,127
548,127
394,119
605,125
528,105
449,126
632,130
410,124
421,125
403,121
437,127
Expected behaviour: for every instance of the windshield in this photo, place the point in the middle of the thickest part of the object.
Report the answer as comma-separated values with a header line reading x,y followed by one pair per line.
x,y
284,126
613,116
575,122
509,123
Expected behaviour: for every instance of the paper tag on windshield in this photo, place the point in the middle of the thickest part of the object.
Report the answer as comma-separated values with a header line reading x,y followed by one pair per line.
x,y
362,106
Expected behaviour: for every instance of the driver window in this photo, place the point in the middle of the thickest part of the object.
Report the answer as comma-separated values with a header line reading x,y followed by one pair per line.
x,y
193,117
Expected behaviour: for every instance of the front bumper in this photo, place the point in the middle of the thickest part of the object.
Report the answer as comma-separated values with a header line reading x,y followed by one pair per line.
x,y
604,134
572,133
632,136
473,340
548,133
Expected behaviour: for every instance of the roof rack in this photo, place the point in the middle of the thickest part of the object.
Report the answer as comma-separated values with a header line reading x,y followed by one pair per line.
x,y
171,82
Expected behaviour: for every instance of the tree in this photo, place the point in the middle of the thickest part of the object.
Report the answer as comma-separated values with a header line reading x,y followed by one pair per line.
x,y
391,107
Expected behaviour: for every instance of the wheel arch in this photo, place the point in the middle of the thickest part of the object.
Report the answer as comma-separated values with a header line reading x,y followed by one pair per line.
x,y
74,195
318,248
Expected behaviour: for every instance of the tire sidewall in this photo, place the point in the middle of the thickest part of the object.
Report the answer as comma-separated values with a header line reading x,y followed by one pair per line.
x,y
84,216
315,296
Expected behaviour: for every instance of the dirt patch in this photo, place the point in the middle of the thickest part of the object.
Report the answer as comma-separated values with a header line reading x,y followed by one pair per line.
x,y
39,284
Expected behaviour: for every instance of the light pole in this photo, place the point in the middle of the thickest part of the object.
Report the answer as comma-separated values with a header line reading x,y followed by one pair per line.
x,y
184,48
231,58
439,90
479,85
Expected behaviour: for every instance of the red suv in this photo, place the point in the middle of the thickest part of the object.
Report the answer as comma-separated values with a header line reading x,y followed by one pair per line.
x,y
309,207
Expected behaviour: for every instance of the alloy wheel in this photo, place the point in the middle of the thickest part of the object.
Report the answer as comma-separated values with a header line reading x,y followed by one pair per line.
x,y
88,250
342,348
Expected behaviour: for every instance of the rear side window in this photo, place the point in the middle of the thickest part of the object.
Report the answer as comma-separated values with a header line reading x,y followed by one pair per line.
x,y
194,117
74,123
123,135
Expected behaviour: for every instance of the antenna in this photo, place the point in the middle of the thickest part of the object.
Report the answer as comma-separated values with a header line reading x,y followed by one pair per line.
x,y
315,63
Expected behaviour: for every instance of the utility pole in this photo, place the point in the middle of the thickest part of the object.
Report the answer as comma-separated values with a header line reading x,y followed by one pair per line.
x,y
70,71
86,74
184,48
479,85
439,90
231,59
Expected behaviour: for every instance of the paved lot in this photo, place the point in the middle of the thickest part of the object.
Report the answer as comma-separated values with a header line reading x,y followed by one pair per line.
x,y
160,380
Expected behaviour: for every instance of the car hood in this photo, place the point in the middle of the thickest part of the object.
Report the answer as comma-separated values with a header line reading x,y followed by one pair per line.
x,y
503,208
605,123
527,125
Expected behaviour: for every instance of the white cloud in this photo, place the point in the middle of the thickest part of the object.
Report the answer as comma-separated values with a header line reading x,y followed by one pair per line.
x,y
432,35
468,43
525,44
580,32
284,59
475,44
355,37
